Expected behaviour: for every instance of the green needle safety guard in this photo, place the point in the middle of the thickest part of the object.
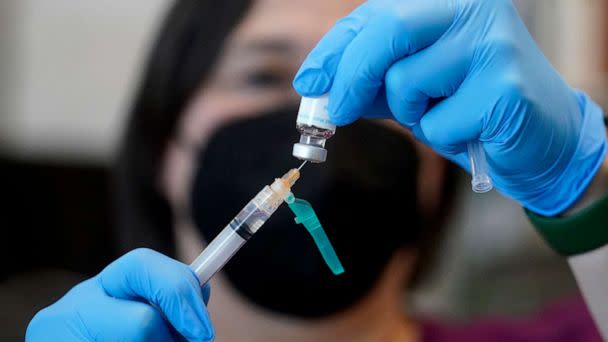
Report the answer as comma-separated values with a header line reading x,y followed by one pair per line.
x,y
306,216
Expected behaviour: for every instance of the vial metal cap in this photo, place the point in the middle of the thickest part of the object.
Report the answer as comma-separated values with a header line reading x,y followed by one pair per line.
x,y
314,154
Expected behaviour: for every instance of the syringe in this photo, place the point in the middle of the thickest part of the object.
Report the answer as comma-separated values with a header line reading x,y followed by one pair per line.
x,y
243,226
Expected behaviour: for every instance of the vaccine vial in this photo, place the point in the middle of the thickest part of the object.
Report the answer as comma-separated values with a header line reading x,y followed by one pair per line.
x,y
315,128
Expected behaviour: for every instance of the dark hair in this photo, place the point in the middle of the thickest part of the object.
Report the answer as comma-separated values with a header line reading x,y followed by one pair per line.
x,y
185,51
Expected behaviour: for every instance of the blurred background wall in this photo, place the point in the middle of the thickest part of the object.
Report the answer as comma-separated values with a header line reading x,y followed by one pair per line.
x,y
68,68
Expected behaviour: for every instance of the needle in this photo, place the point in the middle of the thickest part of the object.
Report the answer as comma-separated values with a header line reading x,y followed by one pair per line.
x,y
304,163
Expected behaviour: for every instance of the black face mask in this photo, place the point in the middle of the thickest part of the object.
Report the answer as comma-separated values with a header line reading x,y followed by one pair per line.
x,y
364,196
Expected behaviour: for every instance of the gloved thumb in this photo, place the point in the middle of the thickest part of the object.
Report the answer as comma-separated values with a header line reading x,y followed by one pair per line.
x,y
166,284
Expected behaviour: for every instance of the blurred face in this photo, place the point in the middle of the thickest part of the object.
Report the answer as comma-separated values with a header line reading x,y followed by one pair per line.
x,y
252,76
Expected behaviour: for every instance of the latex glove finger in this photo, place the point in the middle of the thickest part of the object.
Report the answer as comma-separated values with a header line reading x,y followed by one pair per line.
x,y
315,76
433,73
387,37
165,283
87,313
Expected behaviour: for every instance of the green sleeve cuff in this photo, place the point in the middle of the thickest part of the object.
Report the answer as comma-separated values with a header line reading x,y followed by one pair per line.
x,y
579,233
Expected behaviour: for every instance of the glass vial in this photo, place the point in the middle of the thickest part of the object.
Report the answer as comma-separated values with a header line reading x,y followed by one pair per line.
x,y
315,128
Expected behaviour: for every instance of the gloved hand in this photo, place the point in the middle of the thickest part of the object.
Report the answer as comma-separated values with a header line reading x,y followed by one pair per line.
x,y
126,302
462,70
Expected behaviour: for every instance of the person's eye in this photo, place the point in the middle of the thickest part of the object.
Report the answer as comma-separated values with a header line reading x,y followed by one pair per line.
x,y
264,79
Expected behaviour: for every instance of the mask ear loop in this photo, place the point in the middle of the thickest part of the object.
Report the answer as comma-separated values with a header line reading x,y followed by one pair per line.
x,y
306,216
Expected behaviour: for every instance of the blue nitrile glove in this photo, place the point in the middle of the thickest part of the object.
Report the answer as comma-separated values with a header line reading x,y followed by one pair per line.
x,y
463,70
127,302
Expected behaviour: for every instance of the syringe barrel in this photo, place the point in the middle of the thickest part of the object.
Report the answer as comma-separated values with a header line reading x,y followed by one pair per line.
x,y
217,254
235,234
